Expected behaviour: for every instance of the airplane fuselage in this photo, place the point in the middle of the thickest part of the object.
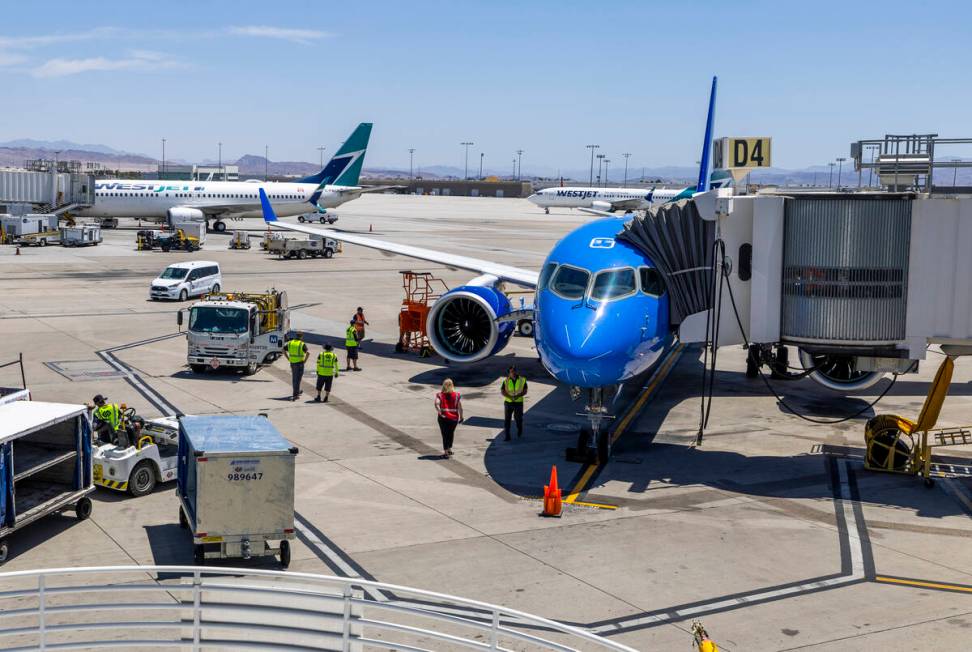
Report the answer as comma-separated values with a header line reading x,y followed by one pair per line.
x,y
578,197
147,198
601,308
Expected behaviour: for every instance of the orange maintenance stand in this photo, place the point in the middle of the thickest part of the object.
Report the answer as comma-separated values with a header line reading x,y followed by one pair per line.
x,y
421,291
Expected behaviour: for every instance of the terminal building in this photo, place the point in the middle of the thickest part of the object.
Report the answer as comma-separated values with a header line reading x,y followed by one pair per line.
x,y
455,187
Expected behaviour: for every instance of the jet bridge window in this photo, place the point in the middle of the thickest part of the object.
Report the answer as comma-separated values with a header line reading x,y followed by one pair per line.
x,y
613,284
651,281
570,282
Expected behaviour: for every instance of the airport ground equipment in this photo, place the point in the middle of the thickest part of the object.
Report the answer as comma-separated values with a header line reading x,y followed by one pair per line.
x,y
236,487
240,240
149,457
896,444
322,217
147,239
10,394
45,464
313,246
178,240
38,229
421,291
860,283
239,330
81,235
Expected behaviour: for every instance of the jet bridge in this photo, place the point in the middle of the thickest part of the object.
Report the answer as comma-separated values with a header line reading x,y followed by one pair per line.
x,y
861,284
49,190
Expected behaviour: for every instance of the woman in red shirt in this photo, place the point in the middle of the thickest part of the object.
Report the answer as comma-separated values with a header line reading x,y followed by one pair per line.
x,y
448,405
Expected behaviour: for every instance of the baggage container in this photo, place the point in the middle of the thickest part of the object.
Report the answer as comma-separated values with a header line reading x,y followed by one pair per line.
x,y
236,487
45,464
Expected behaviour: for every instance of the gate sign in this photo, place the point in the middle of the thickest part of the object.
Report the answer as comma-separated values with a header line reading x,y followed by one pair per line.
x,y
742,152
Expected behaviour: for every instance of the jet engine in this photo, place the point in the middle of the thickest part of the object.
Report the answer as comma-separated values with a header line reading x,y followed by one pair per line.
x,y
602,206
183,215
462,324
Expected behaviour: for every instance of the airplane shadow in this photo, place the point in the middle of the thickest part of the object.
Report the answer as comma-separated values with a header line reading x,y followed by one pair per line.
x,y
644,466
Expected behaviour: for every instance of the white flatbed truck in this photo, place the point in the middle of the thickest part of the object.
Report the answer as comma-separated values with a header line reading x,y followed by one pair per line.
x,y
313,246
238,330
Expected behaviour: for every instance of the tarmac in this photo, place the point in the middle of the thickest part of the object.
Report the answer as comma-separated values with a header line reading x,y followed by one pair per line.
x,y
771,531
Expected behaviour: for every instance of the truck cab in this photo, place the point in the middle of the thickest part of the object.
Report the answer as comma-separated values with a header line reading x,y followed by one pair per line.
x,y
236,330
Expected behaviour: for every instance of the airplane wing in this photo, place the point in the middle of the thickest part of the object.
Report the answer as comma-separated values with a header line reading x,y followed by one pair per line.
x,y
523,277
627,204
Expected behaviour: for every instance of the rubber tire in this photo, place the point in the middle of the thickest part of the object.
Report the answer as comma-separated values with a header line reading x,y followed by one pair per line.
x,y
166,248
183,521
322,220
250,369
184,295
284,554
82,508
328,252
300,218
525,328
215,288
43,242
302,255
219,226
198,368
199,555
4,551
146,466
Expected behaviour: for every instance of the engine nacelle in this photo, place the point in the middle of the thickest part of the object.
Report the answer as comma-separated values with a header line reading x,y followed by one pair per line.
x,y
462,323
183,215
602,206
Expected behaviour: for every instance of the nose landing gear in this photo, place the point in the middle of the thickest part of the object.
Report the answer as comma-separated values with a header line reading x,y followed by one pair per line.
x,y
594,440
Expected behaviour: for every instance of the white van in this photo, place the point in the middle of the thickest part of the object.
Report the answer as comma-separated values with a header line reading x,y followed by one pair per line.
x,y
190,279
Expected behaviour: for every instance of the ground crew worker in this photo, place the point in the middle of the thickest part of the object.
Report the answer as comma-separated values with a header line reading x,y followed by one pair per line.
x,y
359,323
327,371
297,354
351,345
108,418
514,388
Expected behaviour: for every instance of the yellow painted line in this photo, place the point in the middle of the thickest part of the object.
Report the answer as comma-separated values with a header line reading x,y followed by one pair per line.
x,y
622,426
598,505
927,585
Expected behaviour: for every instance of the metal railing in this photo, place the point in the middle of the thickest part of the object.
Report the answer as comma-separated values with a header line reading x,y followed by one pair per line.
x,y
188,607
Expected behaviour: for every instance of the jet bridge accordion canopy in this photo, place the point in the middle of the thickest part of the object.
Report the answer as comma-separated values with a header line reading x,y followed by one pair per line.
x,y
679,243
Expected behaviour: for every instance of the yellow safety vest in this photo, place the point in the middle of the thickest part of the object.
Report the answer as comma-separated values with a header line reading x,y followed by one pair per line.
x,y
295,351
110,414
513,387
327,364
350,336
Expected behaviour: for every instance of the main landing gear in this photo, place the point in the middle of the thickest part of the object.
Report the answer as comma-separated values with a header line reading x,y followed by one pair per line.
x,y
594,440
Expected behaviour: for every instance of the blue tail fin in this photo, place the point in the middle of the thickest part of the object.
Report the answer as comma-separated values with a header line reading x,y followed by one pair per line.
x,y
344,168
268,214
706,160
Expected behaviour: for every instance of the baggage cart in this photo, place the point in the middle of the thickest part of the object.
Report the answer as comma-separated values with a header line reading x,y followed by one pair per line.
x,y
45,464
236,487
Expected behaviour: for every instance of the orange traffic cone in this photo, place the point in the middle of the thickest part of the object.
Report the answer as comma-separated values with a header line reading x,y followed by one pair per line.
x,y
552,503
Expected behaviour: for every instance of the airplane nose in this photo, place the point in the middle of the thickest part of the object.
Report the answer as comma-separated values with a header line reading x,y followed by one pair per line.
x,y
578,347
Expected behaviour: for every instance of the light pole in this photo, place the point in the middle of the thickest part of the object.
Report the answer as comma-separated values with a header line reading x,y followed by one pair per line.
x,y
266,162
840,164
600,164
219,164
321,150
514,168
626,156
606,161
163,158
830,181
465,174
519,164
411,159
592,148
481,155
56,152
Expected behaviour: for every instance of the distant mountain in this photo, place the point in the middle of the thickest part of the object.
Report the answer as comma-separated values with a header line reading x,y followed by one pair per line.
x,y
15,156
55,145
251,165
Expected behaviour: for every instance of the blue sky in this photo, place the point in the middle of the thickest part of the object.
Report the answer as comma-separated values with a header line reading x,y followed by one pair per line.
x,y
547,77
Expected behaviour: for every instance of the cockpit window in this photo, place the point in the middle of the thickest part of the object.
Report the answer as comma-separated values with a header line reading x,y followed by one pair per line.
x,y
613,283
651,281
545,275
570,282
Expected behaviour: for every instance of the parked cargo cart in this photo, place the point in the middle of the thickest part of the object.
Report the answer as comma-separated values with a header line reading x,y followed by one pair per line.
x,y
236,487
11,394
45,464
80,235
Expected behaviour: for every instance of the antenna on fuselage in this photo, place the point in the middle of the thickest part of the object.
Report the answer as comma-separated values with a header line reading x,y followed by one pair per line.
x,y
704,163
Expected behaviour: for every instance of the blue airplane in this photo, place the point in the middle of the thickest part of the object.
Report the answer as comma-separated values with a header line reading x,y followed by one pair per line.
x,y
600,310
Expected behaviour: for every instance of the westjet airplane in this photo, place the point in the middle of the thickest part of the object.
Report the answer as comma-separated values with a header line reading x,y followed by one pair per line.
x,y
197,201
617,199
600,306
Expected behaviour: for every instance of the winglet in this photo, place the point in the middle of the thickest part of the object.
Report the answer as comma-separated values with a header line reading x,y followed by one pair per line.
x,y
268,214
705,162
